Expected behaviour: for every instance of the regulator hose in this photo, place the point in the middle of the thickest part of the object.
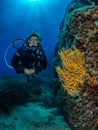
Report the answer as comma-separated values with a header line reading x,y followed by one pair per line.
x,y
12,45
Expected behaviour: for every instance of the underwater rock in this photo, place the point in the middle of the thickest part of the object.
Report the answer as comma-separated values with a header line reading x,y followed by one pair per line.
x,y
79,28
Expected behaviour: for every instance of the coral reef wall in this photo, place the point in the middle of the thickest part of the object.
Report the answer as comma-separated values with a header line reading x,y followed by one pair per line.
x,y
79,28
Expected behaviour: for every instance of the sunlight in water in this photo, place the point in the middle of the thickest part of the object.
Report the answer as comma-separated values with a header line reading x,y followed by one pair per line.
x,y
34,0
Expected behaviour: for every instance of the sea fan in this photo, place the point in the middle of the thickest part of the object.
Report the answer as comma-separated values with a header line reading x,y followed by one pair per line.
x,y
71,72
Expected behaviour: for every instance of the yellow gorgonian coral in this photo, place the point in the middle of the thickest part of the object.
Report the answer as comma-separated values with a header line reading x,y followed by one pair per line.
x,y
72,71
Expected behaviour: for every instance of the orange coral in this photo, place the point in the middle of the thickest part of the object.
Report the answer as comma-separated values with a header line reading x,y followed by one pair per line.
x,y
72,71
91,82
97,122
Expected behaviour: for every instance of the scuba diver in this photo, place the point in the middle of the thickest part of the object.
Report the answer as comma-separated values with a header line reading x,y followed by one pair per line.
x,y
30,58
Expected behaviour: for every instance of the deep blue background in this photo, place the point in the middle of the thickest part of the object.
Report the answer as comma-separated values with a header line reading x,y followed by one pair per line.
x,y
18,18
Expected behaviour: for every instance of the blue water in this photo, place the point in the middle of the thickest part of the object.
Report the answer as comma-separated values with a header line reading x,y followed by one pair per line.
x,y
29,105
19,18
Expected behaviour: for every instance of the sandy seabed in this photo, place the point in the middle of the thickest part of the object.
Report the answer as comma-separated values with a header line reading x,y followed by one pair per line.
x,y
33,116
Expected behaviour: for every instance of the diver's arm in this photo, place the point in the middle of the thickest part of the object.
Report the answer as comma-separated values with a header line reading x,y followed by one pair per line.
x,y
16,62
41,61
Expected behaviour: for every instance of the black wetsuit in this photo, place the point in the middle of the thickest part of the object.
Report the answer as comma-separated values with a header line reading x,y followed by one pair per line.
x,y
26,57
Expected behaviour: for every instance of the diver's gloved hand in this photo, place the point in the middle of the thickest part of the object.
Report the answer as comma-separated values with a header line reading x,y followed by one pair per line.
x,y
29,71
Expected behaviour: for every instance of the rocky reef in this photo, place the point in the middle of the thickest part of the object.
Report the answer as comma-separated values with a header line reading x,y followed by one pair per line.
x,y
79,28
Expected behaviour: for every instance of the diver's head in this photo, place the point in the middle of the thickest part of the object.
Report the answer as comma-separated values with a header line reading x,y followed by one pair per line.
x,y
33,39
